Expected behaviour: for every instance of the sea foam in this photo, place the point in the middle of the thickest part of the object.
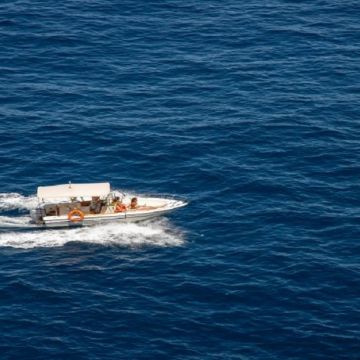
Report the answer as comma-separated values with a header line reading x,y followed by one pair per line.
x,y
154,233
13,201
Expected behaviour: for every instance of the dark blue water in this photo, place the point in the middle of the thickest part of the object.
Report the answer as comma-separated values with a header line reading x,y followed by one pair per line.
x,y
250,110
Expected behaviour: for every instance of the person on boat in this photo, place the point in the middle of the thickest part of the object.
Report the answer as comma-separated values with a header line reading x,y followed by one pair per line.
x,y
135,206
115,201
117,205
95,205
134,203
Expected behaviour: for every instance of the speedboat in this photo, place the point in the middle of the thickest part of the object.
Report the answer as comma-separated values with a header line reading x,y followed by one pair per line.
x,y
88,204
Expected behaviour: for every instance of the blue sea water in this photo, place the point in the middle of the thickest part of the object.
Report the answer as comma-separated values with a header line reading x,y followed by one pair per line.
x,y
250,110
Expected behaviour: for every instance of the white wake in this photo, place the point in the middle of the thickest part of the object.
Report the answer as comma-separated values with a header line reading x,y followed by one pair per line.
x,y
155,233
13,201
15,221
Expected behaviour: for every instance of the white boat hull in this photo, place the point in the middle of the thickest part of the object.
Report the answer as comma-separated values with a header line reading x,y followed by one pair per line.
x,y
140,214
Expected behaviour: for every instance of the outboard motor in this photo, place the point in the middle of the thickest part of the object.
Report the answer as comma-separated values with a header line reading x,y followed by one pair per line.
x,y
37,215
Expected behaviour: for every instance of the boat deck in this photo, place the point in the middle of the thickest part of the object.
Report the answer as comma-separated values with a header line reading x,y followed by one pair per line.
x,y
64,209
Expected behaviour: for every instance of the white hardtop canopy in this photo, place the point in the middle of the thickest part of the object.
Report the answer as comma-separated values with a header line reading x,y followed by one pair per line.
x,y
68,191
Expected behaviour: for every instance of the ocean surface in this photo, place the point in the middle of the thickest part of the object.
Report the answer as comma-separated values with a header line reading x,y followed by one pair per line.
x,y
250,111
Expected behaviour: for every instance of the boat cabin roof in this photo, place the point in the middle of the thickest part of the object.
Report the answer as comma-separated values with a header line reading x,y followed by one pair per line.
x,y
68,191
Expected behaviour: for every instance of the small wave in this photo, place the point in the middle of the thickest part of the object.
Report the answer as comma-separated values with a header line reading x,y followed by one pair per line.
x,y
13,201
15,221
155,233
